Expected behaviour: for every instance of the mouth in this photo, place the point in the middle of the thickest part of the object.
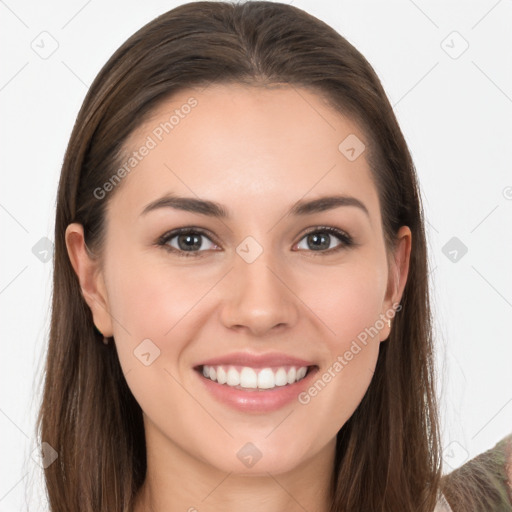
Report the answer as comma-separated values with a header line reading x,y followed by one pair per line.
x,y
247,378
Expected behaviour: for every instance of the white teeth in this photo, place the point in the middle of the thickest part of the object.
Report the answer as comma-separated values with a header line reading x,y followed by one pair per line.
x,y
292,375
264,378
248,378
233,378
301,372
221,375
281,377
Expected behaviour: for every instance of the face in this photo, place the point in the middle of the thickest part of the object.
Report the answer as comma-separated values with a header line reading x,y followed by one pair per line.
x,y
266,279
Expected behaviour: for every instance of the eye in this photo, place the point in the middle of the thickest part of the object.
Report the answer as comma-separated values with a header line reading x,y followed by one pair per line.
x,y
321,237
190,241
186,242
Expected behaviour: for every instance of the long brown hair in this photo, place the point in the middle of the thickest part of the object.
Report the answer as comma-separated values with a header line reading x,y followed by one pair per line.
x,y
388,452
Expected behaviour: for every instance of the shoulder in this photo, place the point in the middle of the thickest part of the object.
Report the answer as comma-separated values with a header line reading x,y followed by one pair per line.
x,y
508,451
483,483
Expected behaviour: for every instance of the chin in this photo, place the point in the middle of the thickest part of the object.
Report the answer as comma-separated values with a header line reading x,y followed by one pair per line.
x,y
250,461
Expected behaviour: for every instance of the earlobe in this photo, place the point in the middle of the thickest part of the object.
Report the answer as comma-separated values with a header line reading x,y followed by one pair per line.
x,y
90,278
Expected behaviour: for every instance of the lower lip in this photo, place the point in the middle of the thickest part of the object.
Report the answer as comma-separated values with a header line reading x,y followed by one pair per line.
x,y
255,400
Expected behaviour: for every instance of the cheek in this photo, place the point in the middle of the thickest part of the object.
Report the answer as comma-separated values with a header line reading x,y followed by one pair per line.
x,y
155,301
147,303
348,368
152,308
149,299
348,300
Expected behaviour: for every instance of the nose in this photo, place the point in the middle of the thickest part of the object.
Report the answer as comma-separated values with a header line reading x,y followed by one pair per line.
x,y
259,299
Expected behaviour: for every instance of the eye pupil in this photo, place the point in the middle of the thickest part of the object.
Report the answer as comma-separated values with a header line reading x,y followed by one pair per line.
x,y
314,238
190,242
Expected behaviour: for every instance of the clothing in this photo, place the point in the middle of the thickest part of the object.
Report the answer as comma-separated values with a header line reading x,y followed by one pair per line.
x,y
484,483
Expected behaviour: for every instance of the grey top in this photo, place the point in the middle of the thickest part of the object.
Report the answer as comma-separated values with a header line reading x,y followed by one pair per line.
x,y
487,478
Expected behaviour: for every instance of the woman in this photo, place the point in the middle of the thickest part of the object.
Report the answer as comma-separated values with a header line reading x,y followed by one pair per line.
x,y
240,316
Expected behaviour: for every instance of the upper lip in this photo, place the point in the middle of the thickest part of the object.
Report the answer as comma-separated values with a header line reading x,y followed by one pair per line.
x,y
256,360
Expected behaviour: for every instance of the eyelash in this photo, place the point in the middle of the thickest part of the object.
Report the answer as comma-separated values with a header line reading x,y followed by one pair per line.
x,y
345,239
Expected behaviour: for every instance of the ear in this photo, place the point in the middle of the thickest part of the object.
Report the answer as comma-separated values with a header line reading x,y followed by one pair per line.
x,y
90,277
397,276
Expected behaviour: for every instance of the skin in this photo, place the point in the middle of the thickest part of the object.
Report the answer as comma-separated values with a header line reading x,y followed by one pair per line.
x,y
256,151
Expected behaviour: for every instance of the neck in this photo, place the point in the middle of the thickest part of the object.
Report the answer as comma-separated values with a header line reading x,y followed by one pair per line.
x,y
176,481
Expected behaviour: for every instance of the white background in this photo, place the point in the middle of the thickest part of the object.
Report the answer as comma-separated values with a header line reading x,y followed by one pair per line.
x,y
456,114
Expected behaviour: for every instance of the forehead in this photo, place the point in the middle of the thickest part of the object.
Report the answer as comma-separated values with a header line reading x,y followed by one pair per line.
x,y
245,146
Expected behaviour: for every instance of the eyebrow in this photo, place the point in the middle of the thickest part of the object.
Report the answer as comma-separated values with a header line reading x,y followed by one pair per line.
x,y
213,209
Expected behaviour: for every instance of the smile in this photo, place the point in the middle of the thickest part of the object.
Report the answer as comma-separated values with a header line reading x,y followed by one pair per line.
x,y
245,377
